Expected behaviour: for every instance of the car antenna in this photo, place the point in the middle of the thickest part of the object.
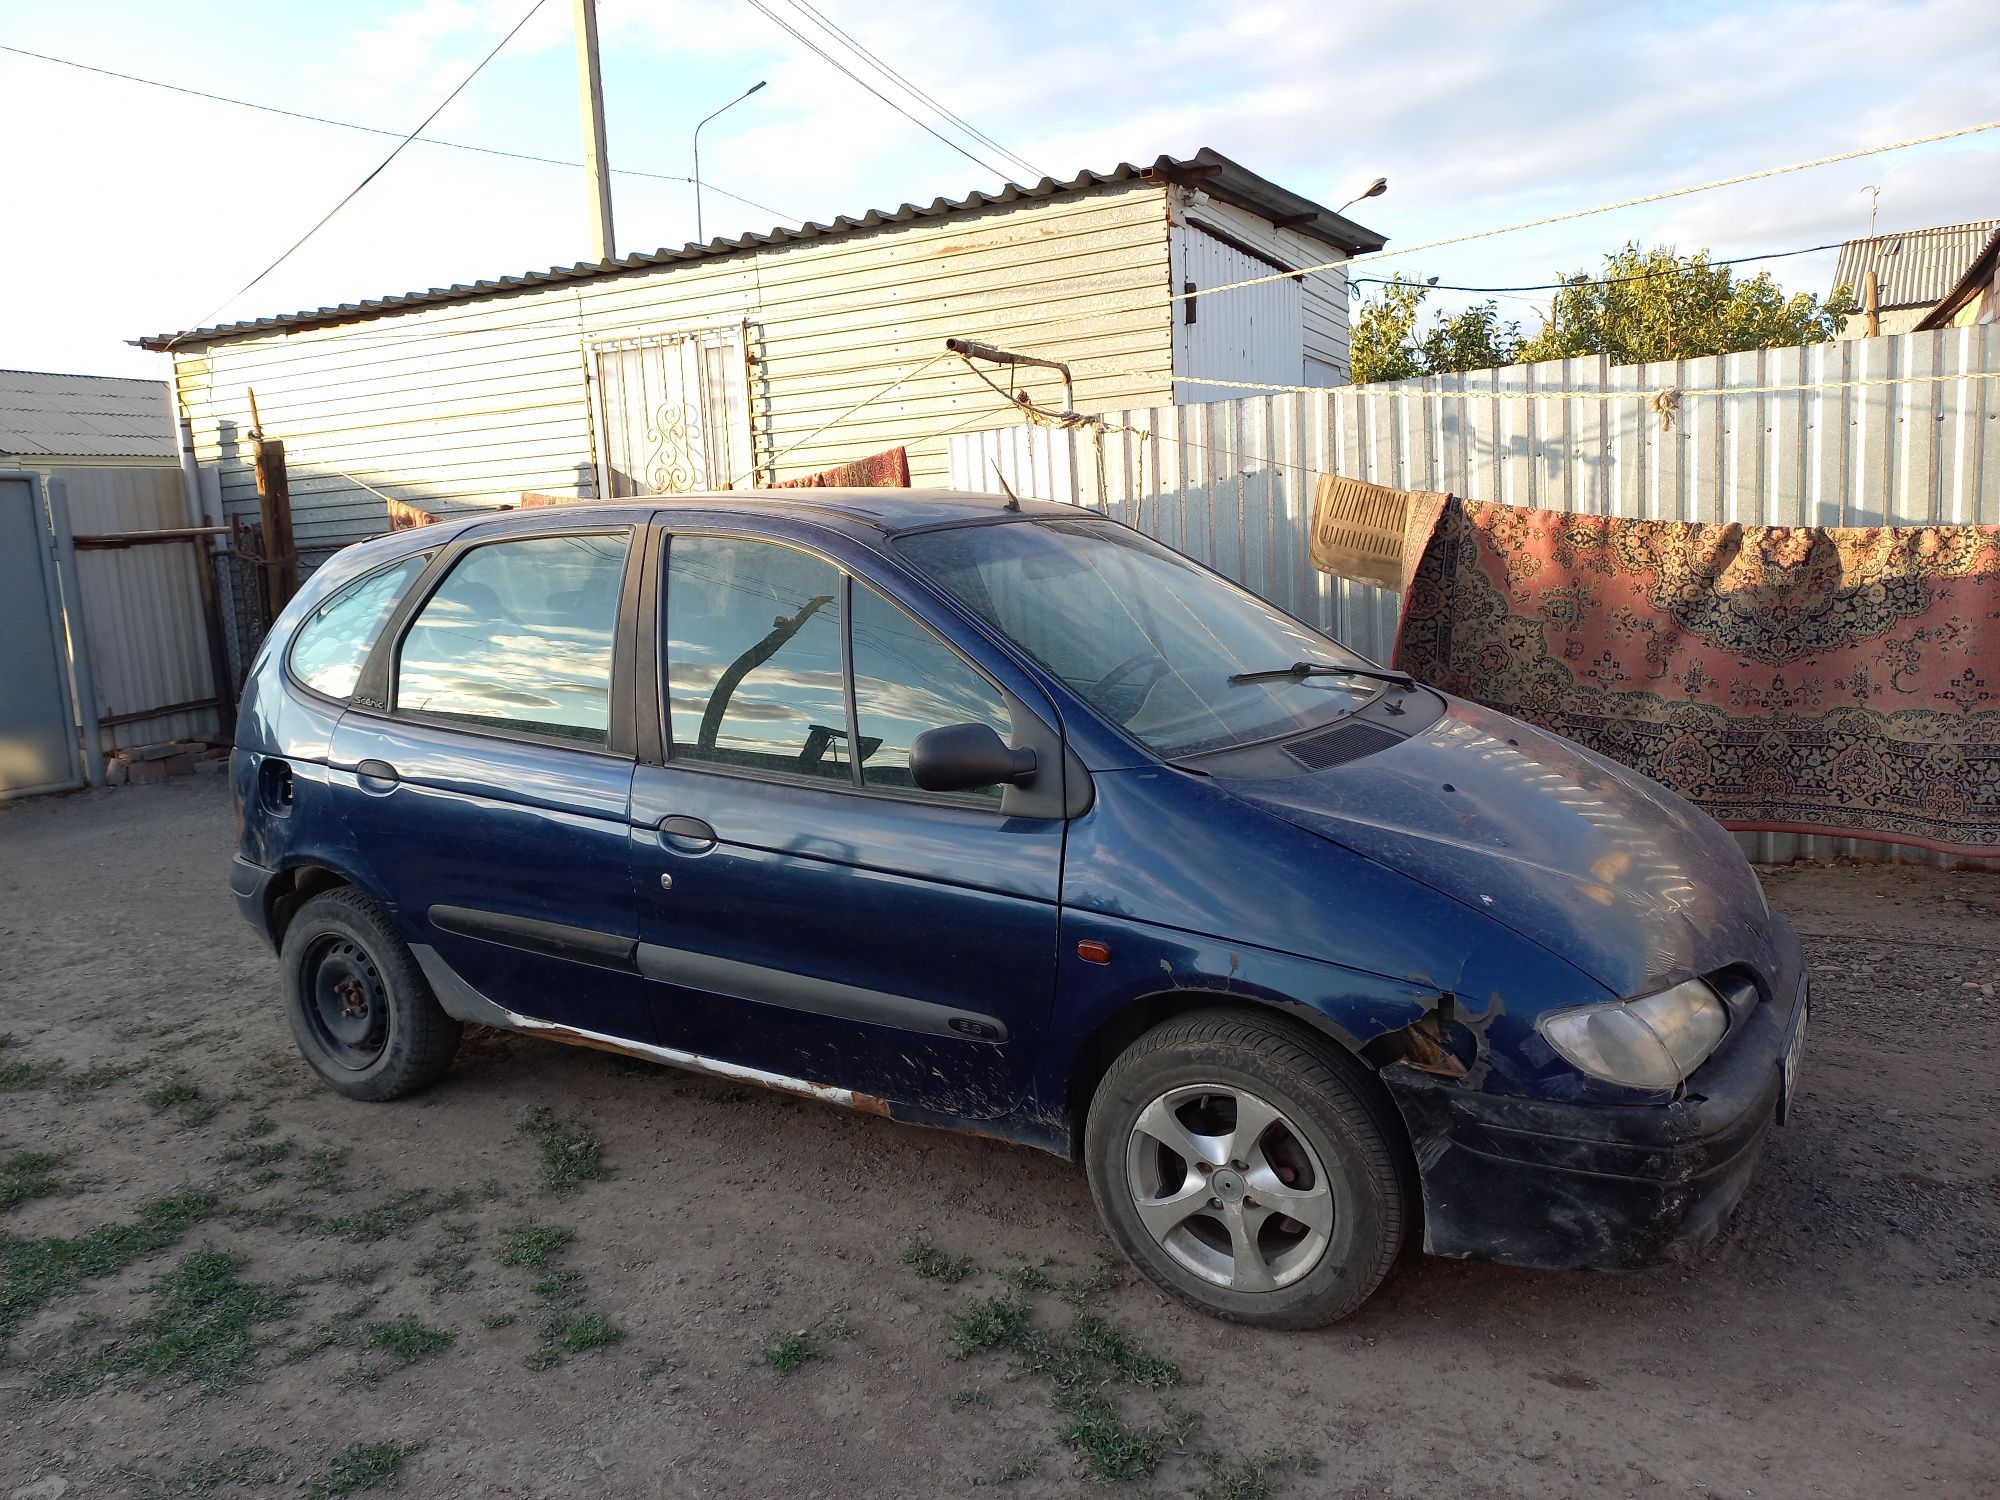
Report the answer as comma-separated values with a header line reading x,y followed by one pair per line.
x,y
1013,500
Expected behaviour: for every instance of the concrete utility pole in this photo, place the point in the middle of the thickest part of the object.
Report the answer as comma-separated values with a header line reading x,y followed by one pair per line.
x,y
596,163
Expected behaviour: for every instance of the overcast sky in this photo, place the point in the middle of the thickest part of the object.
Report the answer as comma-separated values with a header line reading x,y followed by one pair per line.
x,y
134,211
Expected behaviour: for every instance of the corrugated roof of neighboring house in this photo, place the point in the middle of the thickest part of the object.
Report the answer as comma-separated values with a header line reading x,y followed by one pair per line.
x,y
1916,267
84,416
1976,276
1208,170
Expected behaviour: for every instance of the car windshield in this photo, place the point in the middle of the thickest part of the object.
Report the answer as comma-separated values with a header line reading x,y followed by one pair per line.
x,y
1147,638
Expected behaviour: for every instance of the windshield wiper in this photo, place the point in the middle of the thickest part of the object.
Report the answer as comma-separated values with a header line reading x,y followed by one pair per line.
x,y
1326,669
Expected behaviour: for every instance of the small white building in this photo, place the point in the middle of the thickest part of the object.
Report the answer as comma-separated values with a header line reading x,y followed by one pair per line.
x,y
773,355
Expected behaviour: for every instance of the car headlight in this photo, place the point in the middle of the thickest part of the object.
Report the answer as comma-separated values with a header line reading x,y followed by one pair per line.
x,y
1650,1043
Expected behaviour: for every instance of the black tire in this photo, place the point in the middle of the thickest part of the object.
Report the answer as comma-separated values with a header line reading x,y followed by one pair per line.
x,y
1322,1097
340,952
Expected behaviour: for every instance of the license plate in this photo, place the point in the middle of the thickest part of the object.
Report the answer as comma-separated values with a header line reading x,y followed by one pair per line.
x,y
1788,1070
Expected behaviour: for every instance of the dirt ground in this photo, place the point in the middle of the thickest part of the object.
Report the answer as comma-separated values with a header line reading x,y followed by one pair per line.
x,y
1843,1340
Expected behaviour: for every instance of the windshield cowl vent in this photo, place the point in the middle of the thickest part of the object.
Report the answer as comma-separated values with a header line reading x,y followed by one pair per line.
x,y
1342,743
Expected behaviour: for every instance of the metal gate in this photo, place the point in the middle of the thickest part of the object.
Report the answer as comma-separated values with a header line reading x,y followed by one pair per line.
x,y
39,749
673,413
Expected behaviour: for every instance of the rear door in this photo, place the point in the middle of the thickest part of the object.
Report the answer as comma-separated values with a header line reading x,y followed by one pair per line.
x,y
804,909
485,774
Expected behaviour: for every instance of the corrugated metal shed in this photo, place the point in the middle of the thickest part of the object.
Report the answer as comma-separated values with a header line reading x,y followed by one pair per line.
x,y
1213,172
1915,268
55,417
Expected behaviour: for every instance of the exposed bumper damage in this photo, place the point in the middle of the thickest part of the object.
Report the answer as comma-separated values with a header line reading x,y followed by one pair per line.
x,y
1568,1186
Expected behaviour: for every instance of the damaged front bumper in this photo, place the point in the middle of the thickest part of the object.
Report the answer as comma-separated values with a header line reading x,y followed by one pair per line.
x,y
1535,1182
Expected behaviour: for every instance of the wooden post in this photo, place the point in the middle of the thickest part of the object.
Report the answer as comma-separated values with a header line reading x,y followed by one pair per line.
x,y
274,509
1871,304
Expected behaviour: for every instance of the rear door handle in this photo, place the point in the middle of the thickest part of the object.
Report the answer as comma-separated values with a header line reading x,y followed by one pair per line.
x,y
689,835
377,776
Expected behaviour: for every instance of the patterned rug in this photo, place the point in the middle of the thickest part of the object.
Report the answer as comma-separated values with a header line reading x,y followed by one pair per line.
x,y
1786,679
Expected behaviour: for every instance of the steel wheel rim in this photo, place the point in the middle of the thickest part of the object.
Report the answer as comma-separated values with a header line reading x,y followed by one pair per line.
x,y
1229,1187
347,1004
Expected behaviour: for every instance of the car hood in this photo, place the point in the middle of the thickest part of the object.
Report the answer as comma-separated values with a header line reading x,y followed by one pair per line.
x,y
1596,863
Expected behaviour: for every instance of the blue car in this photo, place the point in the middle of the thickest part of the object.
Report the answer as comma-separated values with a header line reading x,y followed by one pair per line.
x,y
1001,817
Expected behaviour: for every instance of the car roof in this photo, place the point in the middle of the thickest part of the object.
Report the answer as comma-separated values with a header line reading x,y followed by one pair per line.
x,y
888,512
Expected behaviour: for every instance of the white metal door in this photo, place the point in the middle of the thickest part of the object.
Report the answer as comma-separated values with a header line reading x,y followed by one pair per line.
x,y
38,739
673,413
1257,333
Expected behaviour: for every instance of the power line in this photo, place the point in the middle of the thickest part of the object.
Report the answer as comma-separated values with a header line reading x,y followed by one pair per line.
x,y
398,151
1575,281
429,140
826,24
827,57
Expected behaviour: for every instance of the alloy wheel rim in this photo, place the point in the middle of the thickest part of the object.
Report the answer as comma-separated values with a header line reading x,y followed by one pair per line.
x,y
1229,1187
347,1005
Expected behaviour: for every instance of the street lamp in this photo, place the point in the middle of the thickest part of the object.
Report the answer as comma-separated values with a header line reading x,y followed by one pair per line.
x,y
697,153
1375,190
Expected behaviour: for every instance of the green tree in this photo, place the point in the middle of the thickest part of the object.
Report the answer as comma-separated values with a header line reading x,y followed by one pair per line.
x,y
1658,304
1387,346
1646,305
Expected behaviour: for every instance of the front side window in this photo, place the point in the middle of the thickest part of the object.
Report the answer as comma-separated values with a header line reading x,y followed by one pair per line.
x,y
754,675
907,680
761,641
1154,643
518,639
332,646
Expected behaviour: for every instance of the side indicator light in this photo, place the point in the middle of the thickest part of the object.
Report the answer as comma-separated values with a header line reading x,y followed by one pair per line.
x,y
1093,952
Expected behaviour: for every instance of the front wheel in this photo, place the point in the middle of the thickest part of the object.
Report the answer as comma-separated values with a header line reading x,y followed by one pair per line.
x,y
1249,1170
360,1008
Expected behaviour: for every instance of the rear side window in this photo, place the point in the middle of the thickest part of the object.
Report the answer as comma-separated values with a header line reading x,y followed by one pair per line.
x,y
330,648
518,639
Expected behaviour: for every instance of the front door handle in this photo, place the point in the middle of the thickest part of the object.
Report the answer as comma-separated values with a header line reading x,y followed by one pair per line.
x,y
377,776
689,835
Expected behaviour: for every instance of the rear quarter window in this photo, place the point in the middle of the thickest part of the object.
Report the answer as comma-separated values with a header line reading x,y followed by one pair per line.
x,y
331,647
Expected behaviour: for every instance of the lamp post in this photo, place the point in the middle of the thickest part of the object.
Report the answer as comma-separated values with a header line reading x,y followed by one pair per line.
x,y
1375,190
697,153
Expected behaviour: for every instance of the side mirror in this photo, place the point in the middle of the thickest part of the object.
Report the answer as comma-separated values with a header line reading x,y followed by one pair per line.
x,y
965,758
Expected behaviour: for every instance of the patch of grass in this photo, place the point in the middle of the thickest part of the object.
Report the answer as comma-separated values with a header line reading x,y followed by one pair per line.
x,y
449,1272
203,1330
257,1153
655,1367
722,1093
407,1340
497,1320
1104,1277
325,1170
28,1175
1250,1478
90,1080
933,1264
1021,1468
201,1477
973,1396
1081,1363
185,1099
365,1466
256,1128
576,1332
27,1073
534,1245
571,1154
34,1272
395,1215
791,1351
1026,1279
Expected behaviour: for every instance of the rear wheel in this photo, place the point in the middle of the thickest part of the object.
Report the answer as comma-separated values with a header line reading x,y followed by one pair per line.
x,y
360,1008
1249,1169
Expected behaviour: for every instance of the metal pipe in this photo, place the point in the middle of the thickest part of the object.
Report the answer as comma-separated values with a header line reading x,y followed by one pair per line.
x,y
89,540
82,684
991,355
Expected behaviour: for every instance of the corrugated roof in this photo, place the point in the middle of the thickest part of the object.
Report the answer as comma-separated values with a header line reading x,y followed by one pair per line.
x,y
84,416
1208,170
1915,268
1977,275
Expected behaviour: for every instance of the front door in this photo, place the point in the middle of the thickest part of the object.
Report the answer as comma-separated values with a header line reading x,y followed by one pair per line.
x,y
804,909
491,799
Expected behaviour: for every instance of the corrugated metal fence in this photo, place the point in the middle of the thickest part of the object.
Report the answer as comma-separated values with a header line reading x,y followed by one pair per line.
x,y
1884,431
